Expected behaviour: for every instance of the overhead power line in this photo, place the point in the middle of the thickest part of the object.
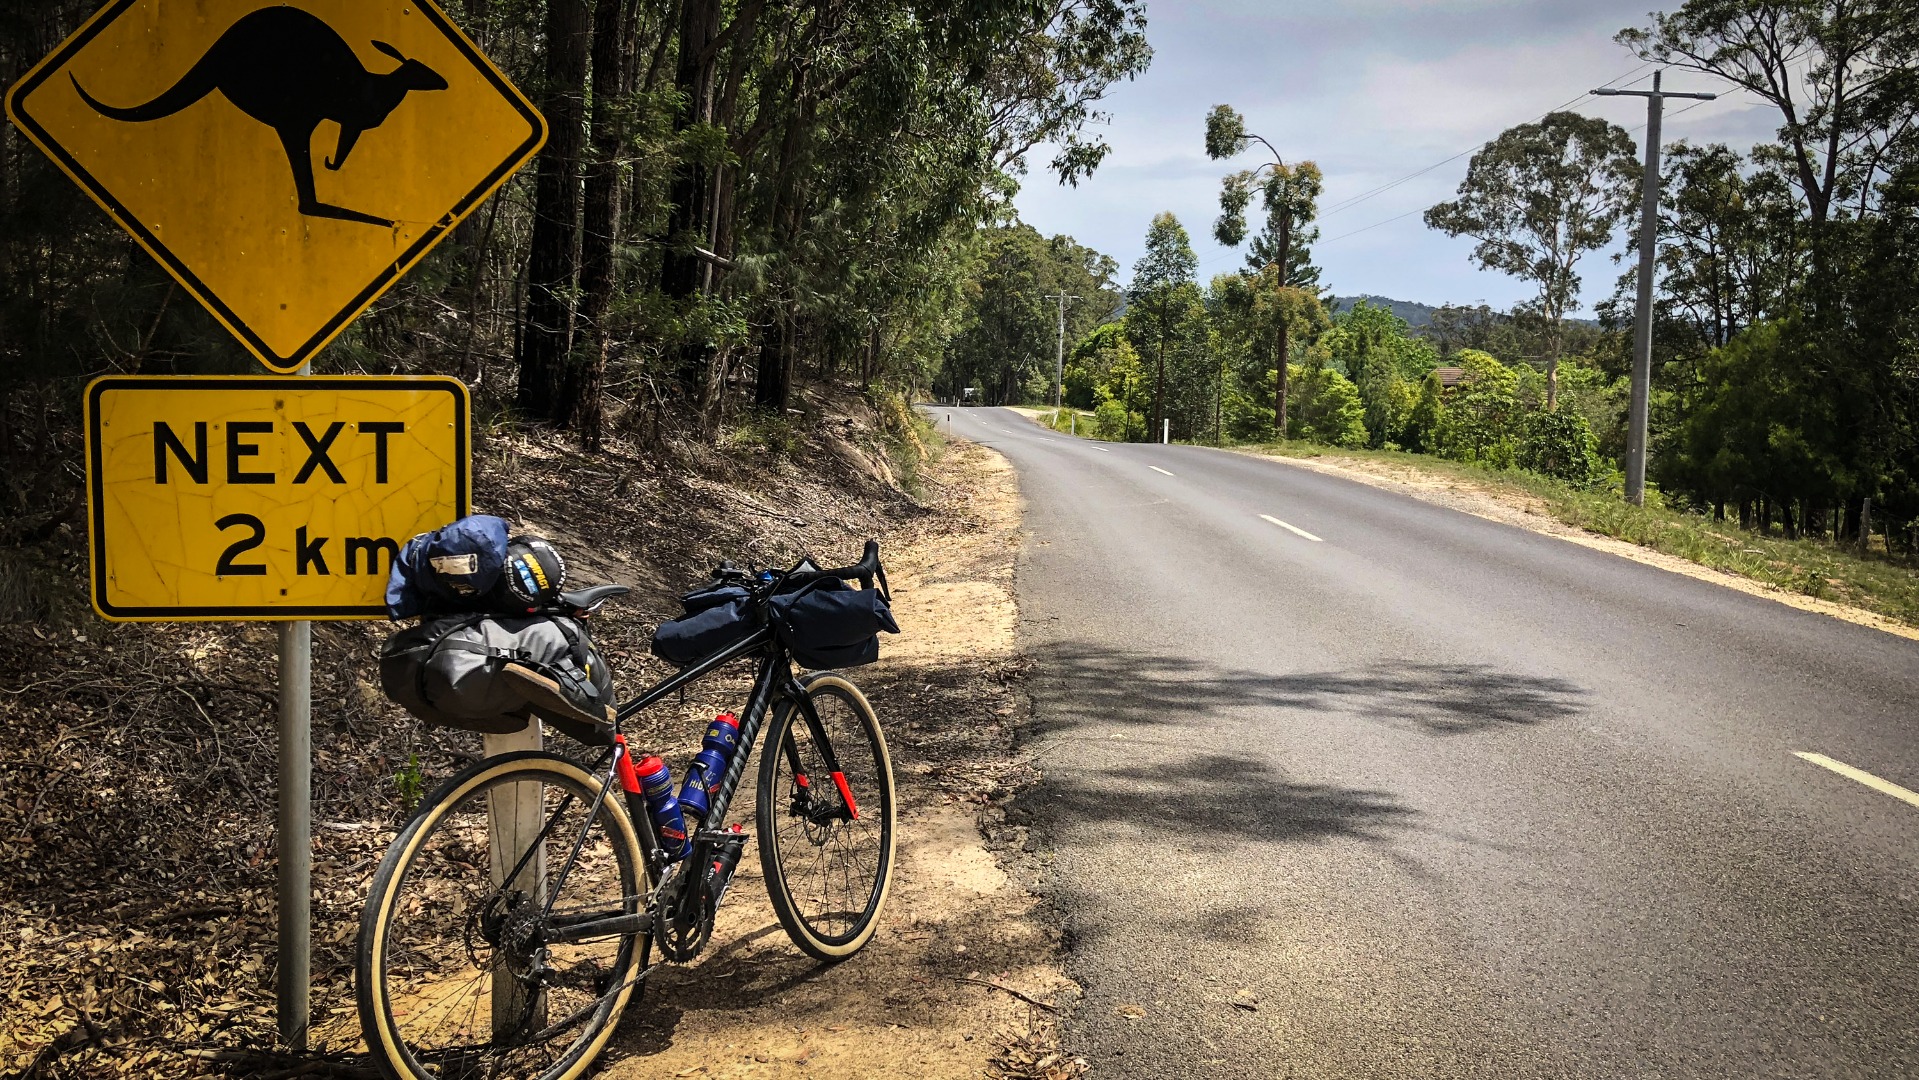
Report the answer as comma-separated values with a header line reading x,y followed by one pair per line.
x,y
1364,196
1410,213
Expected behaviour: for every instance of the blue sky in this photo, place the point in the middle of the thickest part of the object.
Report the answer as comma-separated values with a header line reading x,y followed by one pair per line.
x,y
1372,90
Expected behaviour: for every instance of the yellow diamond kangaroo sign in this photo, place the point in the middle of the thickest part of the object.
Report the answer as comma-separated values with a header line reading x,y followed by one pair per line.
x,y
266,498
286,163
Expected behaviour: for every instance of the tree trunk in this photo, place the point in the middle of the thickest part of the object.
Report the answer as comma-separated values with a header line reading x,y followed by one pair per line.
x,y
773,387
1552,366
1282,380
1282,376
547,334
689,223
1159,384
586,374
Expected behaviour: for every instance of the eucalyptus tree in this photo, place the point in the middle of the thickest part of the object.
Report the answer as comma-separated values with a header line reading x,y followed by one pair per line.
x,y
1290,196
1843,76
1163,300
1537,199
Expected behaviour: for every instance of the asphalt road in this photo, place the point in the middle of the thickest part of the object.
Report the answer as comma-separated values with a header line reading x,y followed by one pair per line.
x,y
1388,790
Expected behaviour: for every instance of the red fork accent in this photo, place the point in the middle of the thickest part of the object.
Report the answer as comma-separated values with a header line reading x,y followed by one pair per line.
x,y
847,794
629,776
800,780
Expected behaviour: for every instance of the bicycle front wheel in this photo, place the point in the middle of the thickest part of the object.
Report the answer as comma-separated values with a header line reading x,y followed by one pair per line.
x,y
826,816
500,937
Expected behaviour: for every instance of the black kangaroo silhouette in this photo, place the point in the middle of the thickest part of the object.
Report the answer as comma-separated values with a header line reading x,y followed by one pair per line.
x,y
289,70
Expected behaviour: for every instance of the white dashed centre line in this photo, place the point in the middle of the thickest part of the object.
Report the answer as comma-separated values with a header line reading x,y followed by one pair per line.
x,y
1884,787
1157,469
1292,528
1102,449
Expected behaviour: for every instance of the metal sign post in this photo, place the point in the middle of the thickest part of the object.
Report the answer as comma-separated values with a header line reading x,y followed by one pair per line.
x,y
294,840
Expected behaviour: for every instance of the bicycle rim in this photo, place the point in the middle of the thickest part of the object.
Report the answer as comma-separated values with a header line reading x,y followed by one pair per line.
x,y
452,982
827,864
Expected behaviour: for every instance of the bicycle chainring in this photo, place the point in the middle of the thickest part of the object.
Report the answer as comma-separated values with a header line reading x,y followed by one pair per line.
x,y
682,914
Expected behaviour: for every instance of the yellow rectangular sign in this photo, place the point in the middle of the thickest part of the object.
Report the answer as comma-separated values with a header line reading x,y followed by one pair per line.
x,y
266,498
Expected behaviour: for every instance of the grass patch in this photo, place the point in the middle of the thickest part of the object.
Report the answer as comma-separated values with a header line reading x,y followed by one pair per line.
x,y
913,442
1816,568
1077,422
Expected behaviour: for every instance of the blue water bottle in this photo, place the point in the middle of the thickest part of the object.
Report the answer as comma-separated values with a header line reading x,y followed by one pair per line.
x,y
657,782
708,770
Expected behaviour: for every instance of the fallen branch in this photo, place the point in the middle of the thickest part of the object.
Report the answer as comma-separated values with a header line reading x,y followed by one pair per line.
x,y
1027,998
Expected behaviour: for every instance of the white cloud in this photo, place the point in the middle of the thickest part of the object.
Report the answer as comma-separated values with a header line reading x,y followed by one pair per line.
x,y
1372,90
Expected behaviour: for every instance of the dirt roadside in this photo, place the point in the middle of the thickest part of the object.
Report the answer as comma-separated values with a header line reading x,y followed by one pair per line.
x,y
136,800
943,989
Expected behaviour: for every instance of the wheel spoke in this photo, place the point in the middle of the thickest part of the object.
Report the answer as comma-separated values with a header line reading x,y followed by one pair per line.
x,y
826,867
454,942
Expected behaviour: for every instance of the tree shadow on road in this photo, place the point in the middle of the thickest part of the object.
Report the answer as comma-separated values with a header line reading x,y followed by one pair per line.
x,y
1215,797
1078,682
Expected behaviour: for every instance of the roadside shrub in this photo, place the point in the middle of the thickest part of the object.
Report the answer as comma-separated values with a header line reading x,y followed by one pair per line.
x,y
1324,407
1560,444
1112,422
1481,414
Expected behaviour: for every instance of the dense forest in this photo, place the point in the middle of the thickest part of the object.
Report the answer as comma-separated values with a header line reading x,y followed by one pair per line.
x,y
1786,377
743,195
736,195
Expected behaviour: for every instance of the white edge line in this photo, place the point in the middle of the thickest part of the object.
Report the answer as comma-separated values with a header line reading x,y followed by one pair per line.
x,y
1157,469
1884,787
1292,528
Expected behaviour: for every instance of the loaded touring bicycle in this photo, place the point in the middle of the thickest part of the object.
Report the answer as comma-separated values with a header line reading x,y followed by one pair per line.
x,y
521,909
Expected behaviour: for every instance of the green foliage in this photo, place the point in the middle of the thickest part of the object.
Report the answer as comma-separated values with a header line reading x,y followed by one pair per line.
x,y
1166,323
1426,422
1560,444
1375,349
1098,366
1008,336
1539,197
1111,421
409,784
1480,422
1323,406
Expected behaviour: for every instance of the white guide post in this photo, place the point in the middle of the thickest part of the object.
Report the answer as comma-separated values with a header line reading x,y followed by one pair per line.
x,y
514,814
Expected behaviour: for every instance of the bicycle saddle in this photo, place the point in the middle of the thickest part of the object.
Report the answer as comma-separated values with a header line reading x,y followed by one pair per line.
x,y
591,598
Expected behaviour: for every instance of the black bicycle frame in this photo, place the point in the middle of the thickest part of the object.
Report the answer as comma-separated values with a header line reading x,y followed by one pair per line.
x,y
775,679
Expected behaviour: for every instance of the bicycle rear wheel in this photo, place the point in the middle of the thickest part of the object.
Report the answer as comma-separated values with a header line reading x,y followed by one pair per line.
x,y
825,816
457,976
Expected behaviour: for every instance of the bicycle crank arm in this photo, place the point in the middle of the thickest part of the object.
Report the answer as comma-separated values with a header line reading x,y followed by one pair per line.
x,y
598,925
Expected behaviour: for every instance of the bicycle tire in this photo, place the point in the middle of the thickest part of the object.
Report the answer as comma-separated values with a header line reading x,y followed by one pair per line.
x,y
445,833
810,863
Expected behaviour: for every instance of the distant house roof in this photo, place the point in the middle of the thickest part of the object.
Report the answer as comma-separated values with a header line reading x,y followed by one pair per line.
x,y
1450,376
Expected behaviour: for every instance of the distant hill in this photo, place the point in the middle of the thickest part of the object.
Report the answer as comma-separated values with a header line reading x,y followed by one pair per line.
x,y
1415,314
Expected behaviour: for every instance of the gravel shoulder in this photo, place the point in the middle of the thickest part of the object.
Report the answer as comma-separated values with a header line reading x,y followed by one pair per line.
x,y
946,987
